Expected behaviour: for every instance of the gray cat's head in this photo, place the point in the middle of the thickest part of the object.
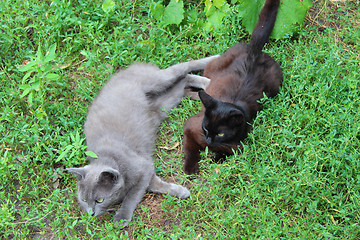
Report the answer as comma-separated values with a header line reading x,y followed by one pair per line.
x,y
98,188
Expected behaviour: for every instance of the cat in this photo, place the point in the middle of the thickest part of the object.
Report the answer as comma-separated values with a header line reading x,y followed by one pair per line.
x,y
121,129
239,77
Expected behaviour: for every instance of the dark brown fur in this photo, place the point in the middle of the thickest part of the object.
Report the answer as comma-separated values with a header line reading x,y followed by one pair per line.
x,y
239,78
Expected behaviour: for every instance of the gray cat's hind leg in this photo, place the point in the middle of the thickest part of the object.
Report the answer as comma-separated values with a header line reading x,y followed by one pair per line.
x,y
190,66
159,186
196,81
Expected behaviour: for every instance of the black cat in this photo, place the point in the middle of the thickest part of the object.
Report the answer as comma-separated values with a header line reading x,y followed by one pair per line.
x,y
239,78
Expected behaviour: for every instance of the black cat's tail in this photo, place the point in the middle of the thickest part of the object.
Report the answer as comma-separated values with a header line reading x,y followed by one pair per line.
x,y
264,26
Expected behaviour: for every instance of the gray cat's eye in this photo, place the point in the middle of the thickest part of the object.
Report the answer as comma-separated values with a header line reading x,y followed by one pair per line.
x,y
84,200
99,200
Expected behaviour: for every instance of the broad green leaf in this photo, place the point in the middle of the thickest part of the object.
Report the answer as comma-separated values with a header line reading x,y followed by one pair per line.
x,y
249,11
28,66
77,137
39,53
208,4
157,10
219,3
36,85
72,137
26,89
50,55
174,12
91,154
30,98
215,16
291,13
108,6
52,76
27,75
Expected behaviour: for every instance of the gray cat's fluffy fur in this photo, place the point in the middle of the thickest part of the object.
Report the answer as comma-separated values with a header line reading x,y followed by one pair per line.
x,y
121,130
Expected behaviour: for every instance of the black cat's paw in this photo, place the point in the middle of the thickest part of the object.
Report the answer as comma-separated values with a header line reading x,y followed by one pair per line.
x,y
191,169
219,157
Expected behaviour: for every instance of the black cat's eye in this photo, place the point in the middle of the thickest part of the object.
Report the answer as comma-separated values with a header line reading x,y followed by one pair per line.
x,y
99,200
221,134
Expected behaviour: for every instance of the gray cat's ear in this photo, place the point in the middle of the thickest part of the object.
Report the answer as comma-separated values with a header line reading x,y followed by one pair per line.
x,y
79,173
207,100
109,177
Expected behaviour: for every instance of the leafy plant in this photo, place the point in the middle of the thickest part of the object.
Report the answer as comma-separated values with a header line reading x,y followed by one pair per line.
x,y
108,6
215,12
173,13
39,73
291,14
75,150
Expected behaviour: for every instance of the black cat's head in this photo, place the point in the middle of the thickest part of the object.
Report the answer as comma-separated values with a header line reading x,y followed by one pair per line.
x,y
224,123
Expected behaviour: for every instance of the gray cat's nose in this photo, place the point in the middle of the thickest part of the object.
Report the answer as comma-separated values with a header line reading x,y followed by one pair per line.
x,y
91,212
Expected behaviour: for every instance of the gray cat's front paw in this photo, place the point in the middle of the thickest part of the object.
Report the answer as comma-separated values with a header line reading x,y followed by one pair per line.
x,y
120,222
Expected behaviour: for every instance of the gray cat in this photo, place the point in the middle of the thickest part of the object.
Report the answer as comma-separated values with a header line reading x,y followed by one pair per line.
x,y
121,129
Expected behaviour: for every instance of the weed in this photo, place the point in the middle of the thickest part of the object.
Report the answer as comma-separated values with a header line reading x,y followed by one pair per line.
x,y
40,73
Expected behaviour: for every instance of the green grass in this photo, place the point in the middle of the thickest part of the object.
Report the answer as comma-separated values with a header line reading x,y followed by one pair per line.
x,y
297,177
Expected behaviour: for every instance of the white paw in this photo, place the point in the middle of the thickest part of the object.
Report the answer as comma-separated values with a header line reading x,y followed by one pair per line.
x,y
181,192
185,193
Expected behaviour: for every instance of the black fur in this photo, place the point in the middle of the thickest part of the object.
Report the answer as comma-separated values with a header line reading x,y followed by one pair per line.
x,y
239,79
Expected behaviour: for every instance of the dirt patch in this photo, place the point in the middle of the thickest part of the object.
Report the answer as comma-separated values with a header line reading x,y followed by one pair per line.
x,y
328,14
153,215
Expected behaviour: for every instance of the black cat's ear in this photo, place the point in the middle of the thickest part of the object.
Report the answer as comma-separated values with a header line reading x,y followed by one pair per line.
x,y
207,100
236,117
108,177
79,173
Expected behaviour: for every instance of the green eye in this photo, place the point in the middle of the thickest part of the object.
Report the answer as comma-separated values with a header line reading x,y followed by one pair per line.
x,y
99,200
220,134
84,200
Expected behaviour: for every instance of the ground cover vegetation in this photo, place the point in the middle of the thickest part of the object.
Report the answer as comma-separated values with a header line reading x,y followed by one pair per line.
x,y
297,176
